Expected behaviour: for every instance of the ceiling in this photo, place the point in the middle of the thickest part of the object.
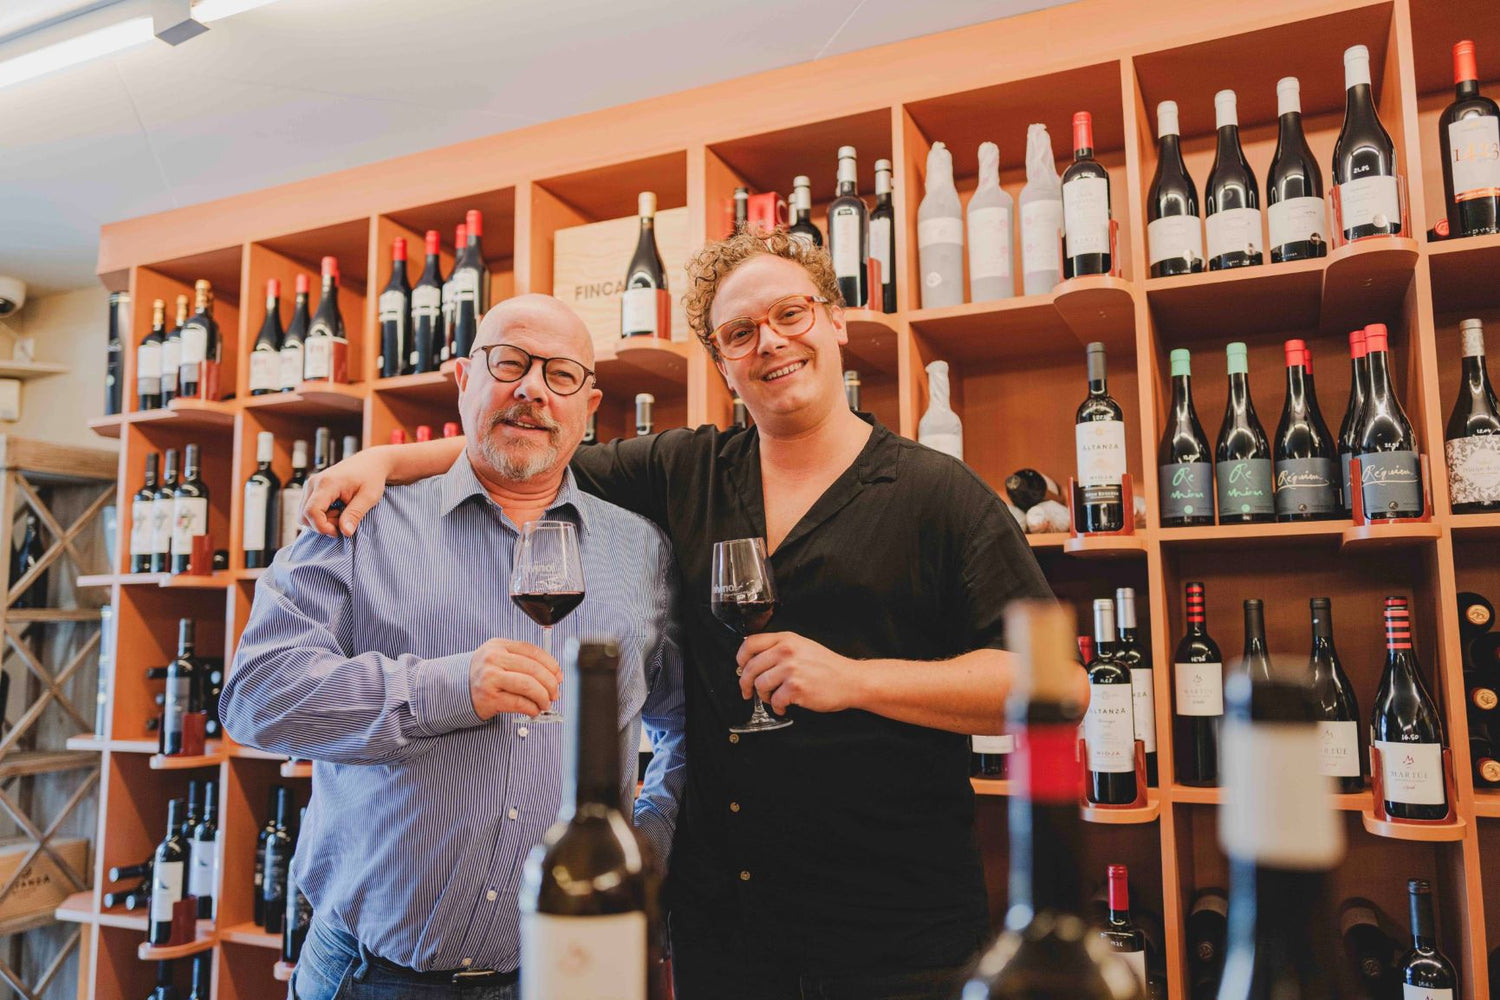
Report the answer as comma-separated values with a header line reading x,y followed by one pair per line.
x,y
305,87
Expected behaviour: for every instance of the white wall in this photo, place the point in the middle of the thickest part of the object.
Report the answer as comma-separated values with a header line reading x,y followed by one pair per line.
x,y
70,328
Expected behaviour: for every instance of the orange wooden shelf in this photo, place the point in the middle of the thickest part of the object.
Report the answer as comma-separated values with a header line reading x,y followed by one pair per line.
x,y
1106,546
122,918
645,364
249,574
86,741
1462,273
311,399
107,426
1364,279
1189,795
188,581
992,786
77,908
189,414
204,940
1428,833
1048,539
296,769
872,348
283,972
1242,300
251,933
251,753
1487,803
181,762
1257,535
1098,307
1124,815
1474,525
1360,537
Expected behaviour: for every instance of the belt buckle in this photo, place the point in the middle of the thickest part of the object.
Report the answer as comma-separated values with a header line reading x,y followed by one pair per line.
x,y
470,977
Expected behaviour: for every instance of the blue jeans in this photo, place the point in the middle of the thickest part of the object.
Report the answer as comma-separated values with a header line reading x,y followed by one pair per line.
x,y
334,967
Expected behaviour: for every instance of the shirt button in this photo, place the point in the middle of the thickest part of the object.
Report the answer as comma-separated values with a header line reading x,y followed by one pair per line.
x,y
734,807
466,962
522,731
744,876
739,671
514,812
734,737
492,895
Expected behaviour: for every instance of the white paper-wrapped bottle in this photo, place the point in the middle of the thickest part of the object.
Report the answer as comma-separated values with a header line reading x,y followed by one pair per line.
x,y
991,232
940,234
940,428
1041,216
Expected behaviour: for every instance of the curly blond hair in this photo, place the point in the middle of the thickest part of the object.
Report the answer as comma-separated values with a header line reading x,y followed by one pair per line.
x,y
713,263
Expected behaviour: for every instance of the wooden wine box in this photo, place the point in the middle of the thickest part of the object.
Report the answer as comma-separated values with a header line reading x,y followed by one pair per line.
x,y
589,263
41,886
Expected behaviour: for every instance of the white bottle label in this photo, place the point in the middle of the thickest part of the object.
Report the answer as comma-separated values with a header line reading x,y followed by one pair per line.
x,y
291,366
1137,962
994,744
1101,452
1235,230
161,526
265,371
257,498
1086,215
189,520
317,361
848,255
166,890
1476,157
567,957
140,527
148,361
1338,749
989,243
1200,688
1410,992
1413,772
1370,201
1174,237
1473,468
194,344
1297,220
1143,690
205,855
1109,728
291,514
1278,815
171,360
944,229
465,286
427,302
880,248
393,310
1041,236
638,311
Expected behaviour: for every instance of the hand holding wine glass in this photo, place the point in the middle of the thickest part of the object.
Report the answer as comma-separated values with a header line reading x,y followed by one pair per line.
x,y
546,580
742,594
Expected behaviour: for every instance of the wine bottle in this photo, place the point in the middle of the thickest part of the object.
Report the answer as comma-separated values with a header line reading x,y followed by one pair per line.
x,y
200,342
292,345
204,878
180,689
1130,656
322,449
590,432
1305,452
292,494
189,512
148,360
298,910
1484,757
991,219
1198,682
1475,616
326,351
1337,707
265,356
741,415
990,755
277,858
1255,661
1368,950
262,508
1242,457
1364,159
460,240
1425,970
350,446
168,874
851,389
849,234
1472,440
471,286
1359,389
140,518
644,278
161,515
165,989
741,210
1044,951
1119,931
803,228
1283,839
590,890
1470,135
1231,197
26,555
114,361
424,433
427,308
1207,924
1027,487
1406,727
1294,187
1109,725
883,235
1041,216
1174,233
940,233
1099,441
1186,471
940,429
171,353
263,837
395,317
1390,469
1086,209
203,964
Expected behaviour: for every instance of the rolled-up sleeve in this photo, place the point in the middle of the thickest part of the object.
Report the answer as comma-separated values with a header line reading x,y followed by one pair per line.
x,y
296,689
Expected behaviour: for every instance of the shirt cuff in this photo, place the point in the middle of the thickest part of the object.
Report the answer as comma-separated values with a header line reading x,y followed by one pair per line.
x,y
657,831
440,699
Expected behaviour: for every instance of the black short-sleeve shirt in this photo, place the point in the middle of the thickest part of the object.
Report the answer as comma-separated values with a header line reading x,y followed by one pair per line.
x,y
846,841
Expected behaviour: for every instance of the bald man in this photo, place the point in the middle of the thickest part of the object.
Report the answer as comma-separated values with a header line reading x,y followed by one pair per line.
x,y
396,662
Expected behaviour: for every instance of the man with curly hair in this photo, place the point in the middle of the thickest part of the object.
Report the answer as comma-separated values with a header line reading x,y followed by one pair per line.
x,y
836,857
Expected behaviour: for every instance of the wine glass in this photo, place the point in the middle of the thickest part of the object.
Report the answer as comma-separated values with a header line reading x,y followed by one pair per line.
x,y
546,580
743,597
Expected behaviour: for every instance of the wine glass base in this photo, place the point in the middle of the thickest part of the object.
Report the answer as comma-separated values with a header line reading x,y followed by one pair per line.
x,y
761,726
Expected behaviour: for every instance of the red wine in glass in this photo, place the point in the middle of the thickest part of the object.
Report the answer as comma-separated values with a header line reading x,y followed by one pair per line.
x,y
742,594
745,617
548,609
546,581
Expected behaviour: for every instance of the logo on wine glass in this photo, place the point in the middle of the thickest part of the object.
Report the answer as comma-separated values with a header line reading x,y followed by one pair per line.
x,y
738,590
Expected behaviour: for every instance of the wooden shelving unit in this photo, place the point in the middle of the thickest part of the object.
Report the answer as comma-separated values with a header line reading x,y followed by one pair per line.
x,y
1017,374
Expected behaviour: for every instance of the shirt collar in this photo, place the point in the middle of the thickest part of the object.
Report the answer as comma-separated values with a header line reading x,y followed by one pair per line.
x,y
461,483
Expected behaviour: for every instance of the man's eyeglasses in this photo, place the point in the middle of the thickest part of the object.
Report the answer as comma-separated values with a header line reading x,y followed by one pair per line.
x,y
508,363
790,316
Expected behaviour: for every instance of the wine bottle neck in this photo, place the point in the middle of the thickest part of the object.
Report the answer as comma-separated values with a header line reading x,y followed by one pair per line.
x,y
1466,89
283,810
596,740
1379,373
1045,840
176,809
1422,933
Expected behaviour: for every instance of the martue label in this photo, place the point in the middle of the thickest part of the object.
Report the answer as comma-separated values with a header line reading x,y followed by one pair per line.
x,y
1473,468
1200,688
1413,772
1338,749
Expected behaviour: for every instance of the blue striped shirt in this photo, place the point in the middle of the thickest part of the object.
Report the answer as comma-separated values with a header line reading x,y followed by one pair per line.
x,y
356,656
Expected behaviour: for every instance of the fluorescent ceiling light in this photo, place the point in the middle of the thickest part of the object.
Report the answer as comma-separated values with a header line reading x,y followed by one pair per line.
x,y
72,51
207,11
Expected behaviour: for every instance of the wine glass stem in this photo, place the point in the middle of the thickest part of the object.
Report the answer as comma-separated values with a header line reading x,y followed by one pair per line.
x,y
547,639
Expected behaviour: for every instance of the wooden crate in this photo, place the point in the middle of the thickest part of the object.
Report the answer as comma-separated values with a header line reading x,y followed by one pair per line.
x,y
588,271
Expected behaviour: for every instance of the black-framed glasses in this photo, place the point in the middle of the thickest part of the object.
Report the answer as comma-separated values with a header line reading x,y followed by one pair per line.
x,y
790,316
508,363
